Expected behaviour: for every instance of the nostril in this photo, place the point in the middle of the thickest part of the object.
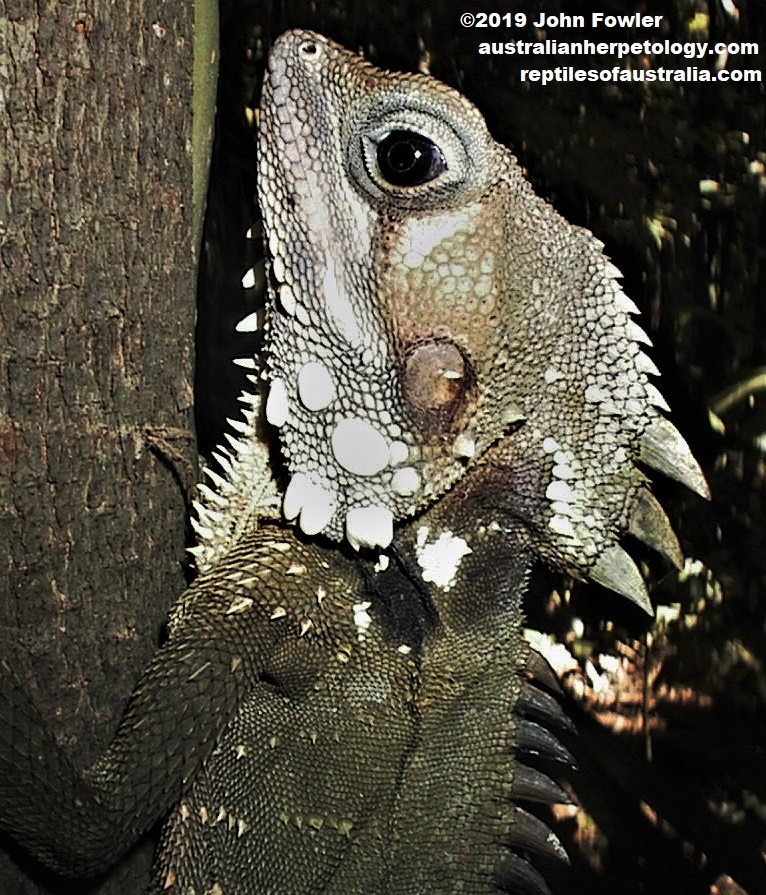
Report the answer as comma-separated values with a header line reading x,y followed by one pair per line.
x,y
434,376
308,48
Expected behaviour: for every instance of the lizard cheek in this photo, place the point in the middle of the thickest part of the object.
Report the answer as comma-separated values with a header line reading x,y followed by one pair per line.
x,y
435,379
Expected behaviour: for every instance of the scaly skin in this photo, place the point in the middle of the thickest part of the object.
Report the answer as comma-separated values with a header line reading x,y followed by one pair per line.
x,y
481,314
351,727
380,755
445,353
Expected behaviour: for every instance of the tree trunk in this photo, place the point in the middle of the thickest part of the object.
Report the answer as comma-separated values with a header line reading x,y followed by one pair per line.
x,y
97,288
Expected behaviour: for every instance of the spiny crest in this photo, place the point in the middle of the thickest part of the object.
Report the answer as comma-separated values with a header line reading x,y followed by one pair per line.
x,y
591,441
536,711
231,501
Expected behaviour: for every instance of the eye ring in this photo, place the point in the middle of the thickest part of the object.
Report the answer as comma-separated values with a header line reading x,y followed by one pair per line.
x,y
405,156
408,159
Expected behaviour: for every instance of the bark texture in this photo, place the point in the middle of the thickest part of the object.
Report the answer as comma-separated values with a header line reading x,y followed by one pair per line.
x,y
97,289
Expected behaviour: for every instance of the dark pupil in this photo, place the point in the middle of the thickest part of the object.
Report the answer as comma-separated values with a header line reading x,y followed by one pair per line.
x,y
409,159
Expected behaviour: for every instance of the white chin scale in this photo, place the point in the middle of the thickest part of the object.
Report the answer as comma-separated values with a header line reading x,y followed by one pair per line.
x,y
369,527
353,484
315,507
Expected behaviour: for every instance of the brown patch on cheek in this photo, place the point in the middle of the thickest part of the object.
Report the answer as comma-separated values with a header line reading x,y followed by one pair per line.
x,y
440,279
437,286
436,381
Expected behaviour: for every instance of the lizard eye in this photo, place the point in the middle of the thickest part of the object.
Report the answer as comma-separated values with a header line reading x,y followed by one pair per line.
x,y
406,158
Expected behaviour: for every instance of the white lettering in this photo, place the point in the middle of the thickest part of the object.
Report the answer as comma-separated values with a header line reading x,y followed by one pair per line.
x,y
637,20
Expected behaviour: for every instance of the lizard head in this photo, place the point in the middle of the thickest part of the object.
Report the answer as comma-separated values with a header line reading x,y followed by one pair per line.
x,y
428,307
386,334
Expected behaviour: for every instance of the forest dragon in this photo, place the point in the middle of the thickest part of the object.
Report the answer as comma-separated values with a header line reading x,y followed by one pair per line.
x,y
347,704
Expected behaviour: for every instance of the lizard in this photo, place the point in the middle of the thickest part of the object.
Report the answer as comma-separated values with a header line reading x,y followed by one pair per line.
x,y
346,702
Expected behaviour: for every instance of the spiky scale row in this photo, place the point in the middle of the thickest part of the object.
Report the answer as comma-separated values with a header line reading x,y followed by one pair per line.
x,y
531,785
663,448
518,877
531,834
244,492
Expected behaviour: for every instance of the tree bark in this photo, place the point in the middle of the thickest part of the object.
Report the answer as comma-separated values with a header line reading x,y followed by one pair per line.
x,y
97,288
